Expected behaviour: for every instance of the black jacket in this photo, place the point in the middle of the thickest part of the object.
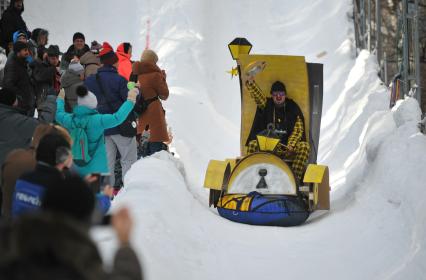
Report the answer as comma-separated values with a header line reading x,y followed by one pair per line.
x,y
43,75
17,79
70,53
284,119
17,129
11,21
48,246
43,175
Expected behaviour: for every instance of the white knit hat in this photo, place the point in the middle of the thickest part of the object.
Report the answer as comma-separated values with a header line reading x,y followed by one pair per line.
x,y
86,98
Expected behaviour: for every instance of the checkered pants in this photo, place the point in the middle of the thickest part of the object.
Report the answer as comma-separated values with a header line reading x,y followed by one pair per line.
x,y
302,150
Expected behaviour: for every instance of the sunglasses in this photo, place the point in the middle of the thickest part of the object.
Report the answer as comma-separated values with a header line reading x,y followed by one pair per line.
x,y
278,93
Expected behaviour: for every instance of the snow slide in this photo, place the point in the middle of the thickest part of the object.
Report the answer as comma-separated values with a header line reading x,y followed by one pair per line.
x,y
376,228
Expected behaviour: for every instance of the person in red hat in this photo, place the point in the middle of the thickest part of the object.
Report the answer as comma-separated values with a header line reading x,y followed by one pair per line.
x,y
111,92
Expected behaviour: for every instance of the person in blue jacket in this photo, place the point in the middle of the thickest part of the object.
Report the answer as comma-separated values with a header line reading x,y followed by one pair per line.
x,y
85,115
111,91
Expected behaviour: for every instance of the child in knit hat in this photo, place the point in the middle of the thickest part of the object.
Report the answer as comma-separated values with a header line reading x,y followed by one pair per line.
x,y
94,124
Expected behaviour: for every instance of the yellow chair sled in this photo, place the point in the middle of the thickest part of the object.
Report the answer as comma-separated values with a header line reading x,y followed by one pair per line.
x,y
261,188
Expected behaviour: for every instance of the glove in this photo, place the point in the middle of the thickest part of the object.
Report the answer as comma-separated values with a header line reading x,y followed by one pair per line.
x,y
29,59
133,93
131,85
289,152
61,94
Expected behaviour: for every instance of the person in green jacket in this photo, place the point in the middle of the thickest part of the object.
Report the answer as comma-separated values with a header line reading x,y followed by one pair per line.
x,y
85,115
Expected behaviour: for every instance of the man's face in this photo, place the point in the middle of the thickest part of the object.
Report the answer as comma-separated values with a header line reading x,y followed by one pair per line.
x,y
79,44
42,40
53,60
24,53
278,97
22,39
19,4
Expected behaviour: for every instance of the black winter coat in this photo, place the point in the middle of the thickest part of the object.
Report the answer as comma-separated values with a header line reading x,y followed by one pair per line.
x,y
11,21
43,75
43,175
284,119
70,53
17,129
17,79
49,246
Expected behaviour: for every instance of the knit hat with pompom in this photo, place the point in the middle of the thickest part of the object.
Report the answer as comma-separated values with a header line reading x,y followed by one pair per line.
x,y
86,98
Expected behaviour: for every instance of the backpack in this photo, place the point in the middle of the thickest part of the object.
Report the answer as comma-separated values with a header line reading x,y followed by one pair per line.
x,y
142,104
80,147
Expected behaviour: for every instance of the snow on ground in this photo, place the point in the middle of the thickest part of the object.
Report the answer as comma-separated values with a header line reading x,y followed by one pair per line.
x,y
376,228
374,231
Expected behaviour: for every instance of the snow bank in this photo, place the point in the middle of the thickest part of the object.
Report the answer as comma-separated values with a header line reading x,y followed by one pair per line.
x,y
378,234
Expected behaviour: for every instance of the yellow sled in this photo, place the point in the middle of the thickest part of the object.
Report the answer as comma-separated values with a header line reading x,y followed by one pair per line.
x,y
237,184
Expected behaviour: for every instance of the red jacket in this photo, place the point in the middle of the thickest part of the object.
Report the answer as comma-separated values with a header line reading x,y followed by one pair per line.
x,y
124,63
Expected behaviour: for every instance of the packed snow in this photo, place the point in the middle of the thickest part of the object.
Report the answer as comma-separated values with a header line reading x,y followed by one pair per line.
x,y
376,228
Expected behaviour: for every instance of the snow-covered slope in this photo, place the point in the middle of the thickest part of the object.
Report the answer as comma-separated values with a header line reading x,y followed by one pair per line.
x,y
376,228
374,231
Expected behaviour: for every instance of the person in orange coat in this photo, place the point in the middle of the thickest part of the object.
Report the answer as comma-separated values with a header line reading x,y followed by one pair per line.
x,y
124,53
153,87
